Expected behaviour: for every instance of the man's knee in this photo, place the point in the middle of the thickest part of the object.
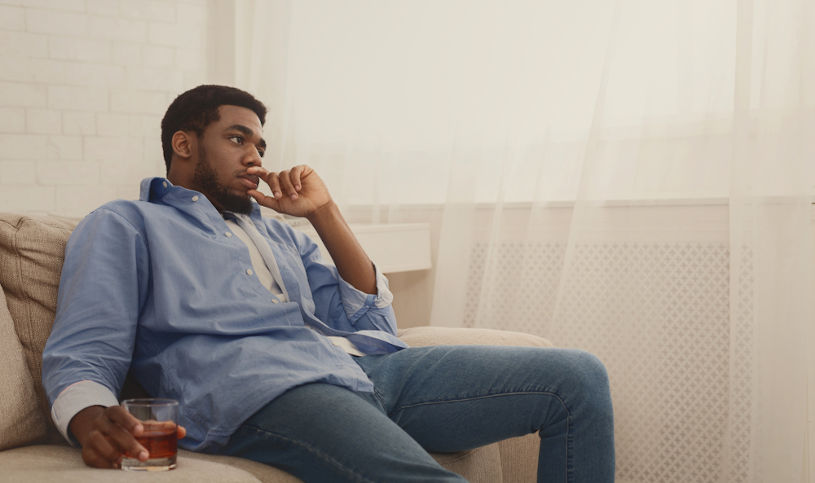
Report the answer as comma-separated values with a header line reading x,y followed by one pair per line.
x,y
590,381
591,369
576,376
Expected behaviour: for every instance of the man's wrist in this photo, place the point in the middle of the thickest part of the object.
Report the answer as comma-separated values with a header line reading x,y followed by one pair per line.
x,y
81,423
75,398
327,212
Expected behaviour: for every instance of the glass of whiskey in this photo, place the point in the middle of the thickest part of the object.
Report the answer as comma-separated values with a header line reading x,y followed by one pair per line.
x,y
160,437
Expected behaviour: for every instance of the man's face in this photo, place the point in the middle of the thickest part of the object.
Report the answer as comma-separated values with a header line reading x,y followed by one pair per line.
x,y
225,150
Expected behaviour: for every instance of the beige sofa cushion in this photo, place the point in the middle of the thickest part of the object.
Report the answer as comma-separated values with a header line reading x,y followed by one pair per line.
x,y
434,335
20,418
31,254
45,463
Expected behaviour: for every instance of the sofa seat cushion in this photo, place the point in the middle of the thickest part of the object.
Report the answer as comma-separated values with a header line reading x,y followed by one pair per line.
x,y
44,463
482,464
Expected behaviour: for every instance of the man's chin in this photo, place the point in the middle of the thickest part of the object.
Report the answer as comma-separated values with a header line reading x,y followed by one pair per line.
x,y
236,204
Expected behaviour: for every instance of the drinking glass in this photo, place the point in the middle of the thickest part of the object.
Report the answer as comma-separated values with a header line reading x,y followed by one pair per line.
x,y
160,437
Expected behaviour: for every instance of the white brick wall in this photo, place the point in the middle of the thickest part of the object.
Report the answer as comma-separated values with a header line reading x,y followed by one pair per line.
x,y
83,87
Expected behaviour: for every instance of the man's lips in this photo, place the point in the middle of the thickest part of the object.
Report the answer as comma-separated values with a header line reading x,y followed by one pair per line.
x,y
250,181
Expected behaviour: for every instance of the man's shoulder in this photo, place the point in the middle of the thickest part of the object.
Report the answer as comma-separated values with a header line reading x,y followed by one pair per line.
x,y
128,207
132,211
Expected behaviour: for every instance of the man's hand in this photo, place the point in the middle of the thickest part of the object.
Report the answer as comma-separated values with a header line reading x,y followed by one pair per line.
x,y
108,434
298,191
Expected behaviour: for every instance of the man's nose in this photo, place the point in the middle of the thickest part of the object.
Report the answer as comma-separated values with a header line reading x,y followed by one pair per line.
x,y
253,158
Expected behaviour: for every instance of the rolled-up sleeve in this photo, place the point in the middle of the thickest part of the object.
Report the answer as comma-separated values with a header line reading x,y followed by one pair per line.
x,y
354,300
338,303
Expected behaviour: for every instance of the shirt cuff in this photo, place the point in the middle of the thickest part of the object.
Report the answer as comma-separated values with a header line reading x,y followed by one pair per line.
x,y
75,398
355,300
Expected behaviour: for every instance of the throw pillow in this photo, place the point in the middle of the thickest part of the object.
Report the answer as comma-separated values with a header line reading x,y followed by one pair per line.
x,y
32,250
21,421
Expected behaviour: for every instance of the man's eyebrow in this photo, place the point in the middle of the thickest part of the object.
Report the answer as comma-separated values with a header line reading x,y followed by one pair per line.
x,y
249,132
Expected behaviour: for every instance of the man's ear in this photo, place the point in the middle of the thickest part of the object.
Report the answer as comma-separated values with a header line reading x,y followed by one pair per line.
x,y
183,144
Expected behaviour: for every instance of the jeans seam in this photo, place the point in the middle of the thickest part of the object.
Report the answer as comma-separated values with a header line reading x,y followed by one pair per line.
x,y
489,396
311,449
379,397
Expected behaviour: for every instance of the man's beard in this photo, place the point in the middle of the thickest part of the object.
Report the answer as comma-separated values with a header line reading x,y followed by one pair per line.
x,y
204,177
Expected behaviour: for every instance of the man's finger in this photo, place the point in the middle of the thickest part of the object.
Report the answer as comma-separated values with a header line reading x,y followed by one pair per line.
x,y
121,432
95,460
126,443
296,174
120,416
273,180
286,184
258,171
270,178
99,452
264,200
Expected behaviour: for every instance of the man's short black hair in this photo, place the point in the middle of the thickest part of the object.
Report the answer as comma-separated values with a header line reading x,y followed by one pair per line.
x,y
195,109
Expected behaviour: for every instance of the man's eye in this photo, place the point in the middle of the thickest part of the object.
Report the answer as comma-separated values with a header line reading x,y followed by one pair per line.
x,y
236,139
261,152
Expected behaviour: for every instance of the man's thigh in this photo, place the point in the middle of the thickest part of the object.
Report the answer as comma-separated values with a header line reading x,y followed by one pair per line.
x,y
321,432
452,398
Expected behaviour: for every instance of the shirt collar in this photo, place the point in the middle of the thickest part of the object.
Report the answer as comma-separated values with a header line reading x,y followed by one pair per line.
x,y
161,190
151,188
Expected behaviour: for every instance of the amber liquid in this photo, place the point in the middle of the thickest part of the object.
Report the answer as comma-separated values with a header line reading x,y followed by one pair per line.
x,y
160,441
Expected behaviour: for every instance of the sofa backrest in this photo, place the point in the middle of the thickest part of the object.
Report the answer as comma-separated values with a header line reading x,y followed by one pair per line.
x,y
32,251
21,420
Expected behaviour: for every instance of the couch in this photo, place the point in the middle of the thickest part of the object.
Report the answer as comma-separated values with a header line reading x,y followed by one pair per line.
x,y
31,449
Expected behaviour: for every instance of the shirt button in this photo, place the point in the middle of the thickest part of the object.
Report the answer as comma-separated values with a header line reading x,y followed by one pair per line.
x,y
164,183
249,271
195,198
228,234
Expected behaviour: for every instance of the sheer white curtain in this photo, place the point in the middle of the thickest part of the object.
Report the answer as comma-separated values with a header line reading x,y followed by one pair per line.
x,y
629,177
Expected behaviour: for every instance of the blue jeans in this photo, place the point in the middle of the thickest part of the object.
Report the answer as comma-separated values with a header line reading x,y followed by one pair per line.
x,y
440,399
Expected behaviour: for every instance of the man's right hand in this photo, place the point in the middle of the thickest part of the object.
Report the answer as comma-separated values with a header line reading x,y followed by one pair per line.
x,y
107,434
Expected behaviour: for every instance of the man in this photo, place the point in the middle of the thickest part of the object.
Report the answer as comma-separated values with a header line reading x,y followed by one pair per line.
x,y
273,354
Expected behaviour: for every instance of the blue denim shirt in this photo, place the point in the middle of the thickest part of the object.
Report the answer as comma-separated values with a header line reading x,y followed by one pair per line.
x,y
156,286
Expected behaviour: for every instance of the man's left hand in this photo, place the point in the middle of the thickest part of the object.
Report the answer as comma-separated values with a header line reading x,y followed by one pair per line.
x,y
298,191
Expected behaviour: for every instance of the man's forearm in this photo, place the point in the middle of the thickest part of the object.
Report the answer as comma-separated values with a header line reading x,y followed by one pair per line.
x,y
351,260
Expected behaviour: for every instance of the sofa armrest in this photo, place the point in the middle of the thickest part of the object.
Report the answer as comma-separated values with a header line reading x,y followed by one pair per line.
x,y
433,335
518,456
